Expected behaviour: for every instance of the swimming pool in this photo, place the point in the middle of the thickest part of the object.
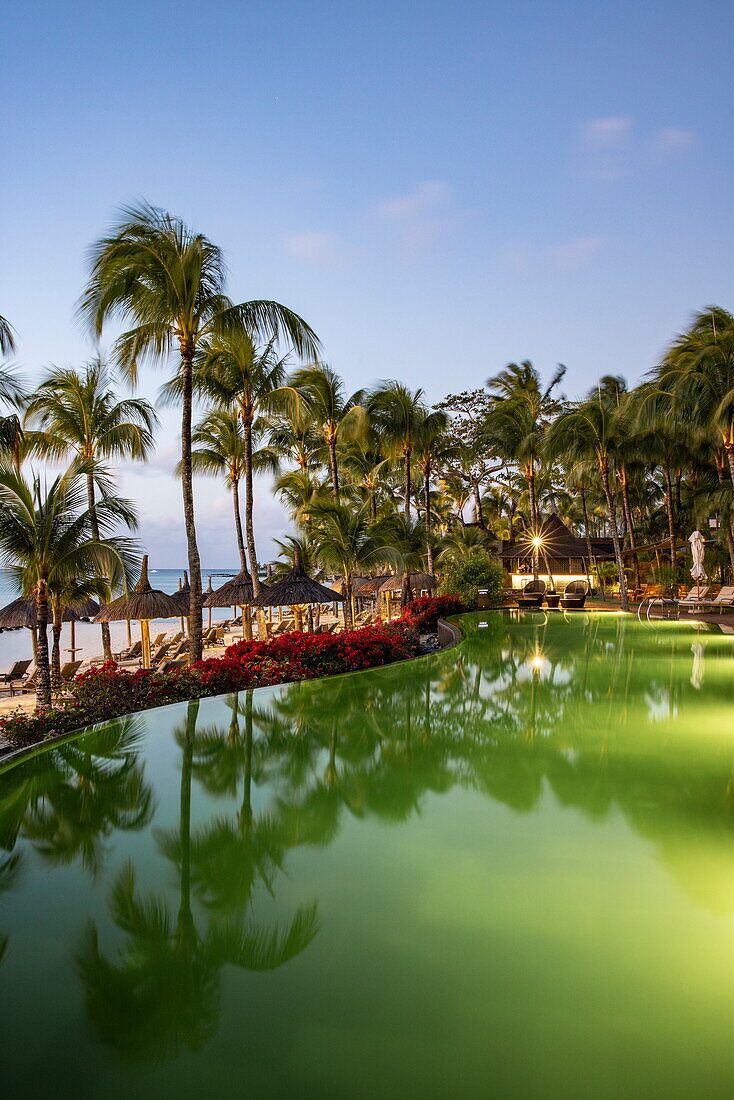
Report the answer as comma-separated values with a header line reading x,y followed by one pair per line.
x,y
503,870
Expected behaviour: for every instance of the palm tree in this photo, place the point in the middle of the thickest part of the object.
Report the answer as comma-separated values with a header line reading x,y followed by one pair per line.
x,y
516,424
46,541
588,429
318,392
169,281
344,539
698,373
77,414
399,415
432,445
220,449
7,337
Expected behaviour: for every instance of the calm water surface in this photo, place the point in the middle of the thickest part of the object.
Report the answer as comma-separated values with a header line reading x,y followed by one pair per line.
x,y
506,870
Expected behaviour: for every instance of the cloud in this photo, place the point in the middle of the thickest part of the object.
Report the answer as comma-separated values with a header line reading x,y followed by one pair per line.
x,y
605,147
670,141
576,254
318,248
609,148
565,258
419,217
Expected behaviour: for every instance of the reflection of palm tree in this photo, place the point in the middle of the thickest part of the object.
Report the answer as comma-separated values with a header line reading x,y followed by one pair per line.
x,y
10,867
163,991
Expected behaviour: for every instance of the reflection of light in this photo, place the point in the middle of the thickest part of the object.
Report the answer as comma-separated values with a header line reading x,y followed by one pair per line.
x,y
537,662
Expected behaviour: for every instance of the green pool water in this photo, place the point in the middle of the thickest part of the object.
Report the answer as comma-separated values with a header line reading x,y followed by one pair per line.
x,y
505,870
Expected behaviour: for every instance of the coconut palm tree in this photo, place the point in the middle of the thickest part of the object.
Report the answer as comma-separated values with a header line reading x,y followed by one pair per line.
x,y
588,430
220,449
317,392
516,423
344,539
76,414
400,415
7,337
432,446
698,373
153,270
46,542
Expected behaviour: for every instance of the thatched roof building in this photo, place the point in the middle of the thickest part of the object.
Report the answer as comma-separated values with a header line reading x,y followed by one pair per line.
x,y
565,553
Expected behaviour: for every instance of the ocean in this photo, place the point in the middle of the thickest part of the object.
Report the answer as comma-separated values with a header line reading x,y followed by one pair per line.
x,y
15,645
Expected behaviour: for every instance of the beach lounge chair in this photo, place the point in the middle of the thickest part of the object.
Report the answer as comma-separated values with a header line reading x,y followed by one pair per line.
x,y
69,670
16,672
170,666
131,652
29,684
722,602
532,595
574,597
694,597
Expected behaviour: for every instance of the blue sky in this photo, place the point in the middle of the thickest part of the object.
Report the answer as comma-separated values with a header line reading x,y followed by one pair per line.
x,y
439,189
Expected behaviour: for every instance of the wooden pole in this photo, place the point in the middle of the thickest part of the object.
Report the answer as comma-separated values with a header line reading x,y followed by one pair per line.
x,y
298,616
145,637
129,633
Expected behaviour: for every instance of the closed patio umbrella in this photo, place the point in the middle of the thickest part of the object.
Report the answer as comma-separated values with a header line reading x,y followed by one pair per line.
x,y
143,603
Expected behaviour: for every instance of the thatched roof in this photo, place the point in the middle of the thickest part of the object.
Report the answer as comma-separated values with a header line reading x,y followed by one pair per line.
x,y
558,542
85,608
296,587
369,586
22,612
143,602
236,592
417,580
183,596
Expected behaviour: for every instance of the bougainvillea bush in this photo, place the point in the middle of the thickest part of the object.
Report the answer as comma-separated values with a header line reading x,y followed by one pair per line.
x,y
106,691
423,614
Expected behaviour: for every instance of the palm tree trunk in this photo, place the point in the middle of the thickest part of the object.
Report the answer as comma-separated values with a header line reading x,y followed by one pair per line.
x,y
406,592
56,626
333,466
249,525
589,547
238,522
530,478
43,696
92,505
348,620
478,506
247,416
669,512
623,600
427,506
624,482
407,459
187,485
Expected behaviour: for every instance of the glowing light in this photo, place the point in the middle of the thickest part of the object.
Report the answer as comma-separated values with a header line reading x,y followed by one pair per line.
x,y
537,541
537,662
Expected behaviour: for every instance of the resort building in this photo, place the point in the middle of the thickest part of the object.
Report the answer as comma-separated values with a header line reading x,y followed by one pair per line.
x,y
561,554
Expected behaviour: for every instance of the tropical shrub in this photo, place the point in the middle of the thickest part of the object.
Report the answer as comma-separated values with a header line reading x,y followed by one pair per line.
x,y
423,614
463,577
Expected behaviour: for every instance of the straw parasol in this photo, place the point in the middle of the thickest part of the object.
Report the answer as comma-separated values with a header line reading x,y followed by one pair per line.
x,y
143,603
294,590
183,598
418,581
236,592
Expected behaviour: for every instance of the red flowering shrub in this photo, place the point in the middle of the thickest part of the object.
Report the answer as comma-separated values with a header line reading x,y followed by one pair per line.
x,y
423,614
106,691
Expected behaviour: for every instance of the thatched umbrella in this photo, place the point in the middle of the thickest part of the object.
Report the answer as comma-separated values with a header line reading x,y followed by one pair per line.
x,y
294,590
22,612
209,592
236,592
397,584
143,603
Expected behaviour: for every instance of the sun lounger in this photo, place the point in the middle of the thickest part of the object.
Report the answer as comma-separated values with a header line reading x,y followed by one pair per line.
x,y
694,597
131,652
69,670
722,602
16,672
